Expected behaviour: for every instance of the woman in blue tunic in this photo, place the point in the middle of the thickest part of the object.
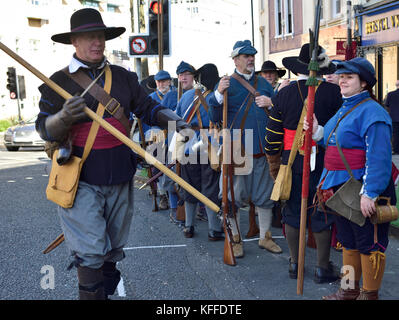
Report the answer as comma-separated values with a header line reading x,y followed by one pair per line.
x,y
364,135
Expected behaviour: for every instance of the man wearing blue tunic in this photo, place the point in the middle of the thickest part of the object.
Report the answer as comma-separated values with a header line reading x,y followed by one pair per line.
x,y
185,73
250,119
199,174
163,81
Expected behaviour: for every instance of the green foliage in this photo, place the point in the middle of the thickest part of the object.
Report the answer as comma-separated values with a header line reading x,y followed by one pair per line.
x,y
4,124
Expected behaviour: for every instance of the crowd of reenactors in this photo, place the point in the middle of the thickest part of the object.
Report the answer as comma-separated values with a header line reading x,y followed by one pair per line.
x,y
263,115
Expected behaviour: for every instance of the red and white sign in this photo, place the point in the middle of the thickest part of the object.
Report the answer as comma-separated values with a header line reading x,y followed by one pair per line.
x,y
139,45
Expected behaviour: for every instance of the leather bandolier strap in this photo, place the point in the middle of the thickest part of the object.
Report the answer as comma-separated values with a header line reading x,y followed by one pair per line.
x,y
96,91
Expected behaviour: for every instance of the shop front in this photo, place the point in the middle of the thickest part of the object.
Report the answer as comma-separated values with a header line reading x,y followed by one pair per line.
x,y
378,29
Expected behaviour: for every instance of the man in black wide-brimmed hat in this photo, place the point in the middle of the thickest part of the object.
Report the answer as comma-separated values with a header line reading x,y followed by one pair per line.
x,y
280,134
96,227
272,74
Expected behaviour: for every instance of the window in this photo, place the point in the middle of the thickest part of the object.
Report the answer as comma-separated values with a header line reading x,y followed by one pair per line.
x,y
336,8
91,3
284,18
288,17
278,7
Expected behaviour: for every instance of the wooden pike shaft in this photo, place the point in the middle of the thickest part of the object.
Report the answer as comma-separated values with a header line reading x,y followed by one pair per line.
x,y
115,132
305,187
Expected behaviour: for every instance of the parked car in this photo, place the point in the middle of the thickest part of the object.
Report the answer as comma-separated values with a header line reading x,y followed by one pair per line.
x,y
22,135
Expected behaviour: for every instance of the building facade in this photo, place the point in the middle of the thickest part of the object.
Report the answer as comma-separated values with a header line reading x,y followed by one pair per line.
x,y
27,27
377,27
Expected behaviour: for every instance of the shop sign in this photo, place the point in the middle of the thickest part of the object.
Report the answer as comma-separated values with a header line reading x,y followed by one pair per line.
x,y
380,28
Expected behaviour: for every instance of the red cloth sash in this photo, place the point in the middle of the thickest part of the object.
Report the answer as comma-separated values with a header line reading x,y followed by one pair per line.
x,y
104,140
289,136
356,158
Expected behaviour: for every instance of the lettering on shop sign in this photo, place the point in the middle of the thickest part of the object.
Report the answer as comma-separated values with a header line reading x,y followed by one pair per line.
x,y
382,24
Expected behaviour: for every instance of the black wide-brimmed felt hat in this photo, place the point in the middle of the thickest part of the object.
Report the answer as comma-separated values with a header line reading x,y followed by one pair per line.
x,y
299,64
271,66
87,20
208,75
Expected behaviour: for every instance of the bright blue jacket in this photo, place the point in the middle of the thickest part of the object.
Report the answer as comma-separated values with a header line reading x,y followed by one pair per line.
x,y
369,128
237,101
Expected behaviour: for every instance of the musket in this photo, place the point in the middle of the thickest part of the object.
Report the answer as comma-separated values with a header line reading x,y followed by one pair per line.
x,y
115,132
155,177
228,255
312,82
149,172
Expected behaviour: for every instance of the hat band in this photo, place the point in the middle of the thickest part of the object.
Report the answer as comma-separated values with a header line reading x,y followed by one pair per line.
x,y
91,25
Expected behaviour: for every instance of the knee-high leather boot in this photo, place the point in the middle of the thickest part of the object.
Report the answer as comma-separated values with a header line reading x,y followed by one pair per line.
x,y
91,283
349,258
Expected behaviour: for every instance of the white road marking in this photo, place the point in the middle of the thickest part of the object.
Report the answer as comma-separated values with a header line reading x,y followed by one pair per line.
x,y
157,247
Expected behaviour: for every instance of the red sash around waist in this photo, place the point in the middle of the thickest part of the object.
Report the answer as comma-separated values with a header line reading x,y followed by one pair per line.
x,y
104,140
289,136
356,158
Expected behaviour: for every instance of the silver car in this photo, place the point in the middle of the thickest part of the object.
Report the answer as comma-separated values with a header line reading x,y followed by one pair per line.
x,y
22,135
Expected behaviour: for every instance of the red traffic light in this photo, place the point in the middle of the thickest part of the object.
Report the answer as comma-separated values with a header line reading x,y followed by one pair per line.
x,y
156,9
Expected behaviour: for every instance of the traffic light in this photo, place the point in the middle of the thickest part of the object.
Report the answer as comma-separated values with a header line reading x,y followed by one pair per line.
x,y
12,82
154,10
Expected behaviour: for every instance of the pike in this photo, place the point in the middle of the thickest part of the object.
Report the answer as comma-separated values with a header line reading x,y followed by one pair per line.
x,y
115,132
311,83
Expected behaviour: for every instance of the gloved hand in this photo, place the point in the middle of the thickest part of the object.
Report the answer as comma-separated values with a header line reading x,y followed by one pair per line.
x,y
72,110
274,164
58,125
165,115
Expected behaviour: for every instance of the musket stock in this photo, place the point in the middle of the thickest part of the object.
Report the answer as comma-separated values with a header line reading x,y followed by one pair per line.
x,y
228,255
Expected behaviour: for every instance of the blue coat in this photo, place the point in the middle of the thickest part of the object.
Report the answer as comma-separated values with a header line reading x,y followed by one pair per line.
x,y
257,117
368,128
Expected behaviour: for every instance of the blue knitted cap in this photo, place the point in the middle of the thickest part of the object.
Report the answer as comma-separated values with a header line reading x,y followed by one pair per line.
x,y
360,66
183,67
243,47
162,75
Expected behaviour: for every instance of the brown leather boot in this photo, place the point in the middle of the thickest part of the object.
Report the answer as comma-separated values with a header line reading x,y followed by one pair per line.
x,y
91,283
345,294
368,295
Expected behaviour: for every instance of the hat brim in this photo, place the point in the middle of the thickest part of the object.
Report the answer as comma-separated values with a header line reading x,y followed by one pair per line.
x,y
280,72
297,66
110,33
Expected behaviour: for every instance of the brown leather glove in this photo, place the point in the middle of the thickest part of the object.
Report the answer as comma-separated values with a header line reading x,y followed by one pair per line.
x,y
274,164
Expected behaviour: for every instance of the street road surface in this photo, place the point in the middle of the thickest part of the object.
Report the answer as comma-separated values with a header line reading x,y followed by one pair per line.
x,y
160,264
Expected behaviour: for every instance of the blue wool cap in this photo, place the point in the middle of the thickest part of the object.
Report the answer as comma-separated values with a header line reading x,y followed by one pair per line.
x,y
162,75
183,67
243,47
360,66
